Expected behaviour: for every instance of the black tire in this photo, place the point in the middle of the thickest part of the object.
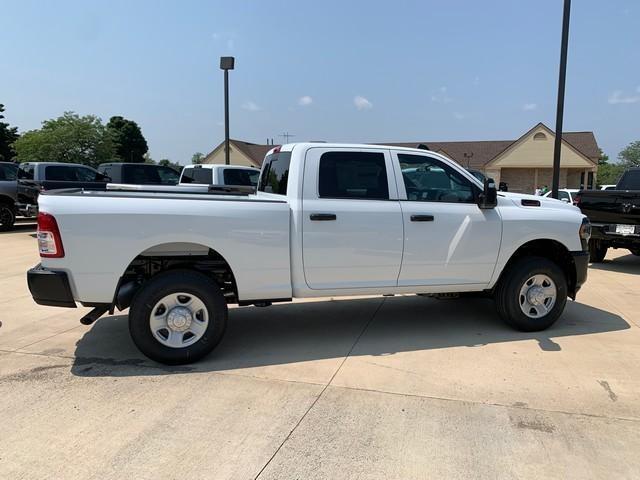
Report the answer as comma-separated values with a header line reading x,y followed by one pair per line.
x,y
171,282
635,252
7,216
597,251
507,293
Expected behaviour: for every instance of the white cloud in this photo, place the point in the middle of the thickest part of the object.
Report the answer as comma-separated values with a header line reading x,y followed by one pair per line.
x,y
527,107
476,81
305,101
441,96
362,103
618,97
460,115
250,106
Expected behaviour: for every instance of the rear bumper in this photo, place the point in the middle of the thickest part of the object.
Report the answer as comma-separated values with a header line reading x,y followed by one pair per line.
x,y
607,234
581,262
50,288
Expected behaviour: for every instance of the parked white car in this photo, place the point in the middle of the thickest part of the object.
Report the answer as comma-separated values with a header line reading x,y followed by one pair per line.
x,y
327,220
567,195
216,174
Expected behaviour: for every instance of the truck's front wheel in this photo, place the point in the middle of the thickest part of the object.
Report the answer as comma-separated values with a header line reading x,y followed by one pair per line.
x,y
532,294
178,317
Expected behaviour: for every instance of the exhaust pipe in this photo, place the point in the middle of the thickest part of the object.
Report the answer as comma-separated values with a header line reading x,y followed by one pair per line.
x,y
94,315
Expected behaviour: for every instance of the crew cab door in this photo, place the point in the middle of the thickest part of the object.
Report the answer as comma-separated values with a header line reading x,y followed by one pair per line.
x,y
352,222
448,239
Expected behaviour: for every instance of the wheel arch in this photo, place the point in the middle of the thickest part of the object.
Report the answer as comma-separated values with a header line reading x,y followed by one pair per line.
x,y
173,256
550,249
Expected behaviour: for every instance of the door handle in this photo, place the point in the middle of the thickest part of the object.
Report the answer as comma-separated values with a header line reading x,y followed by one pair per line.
x,y
422,218
322,217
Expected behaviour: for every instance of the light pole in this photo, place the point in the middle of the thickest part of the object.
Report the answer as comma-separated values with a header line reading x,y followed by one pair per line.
x,y
226,64
560,110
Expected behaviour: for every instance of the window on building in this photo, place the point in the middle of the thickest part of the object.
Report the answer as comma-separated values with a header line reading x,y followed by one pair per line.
x,y
539,136
354,175
429,180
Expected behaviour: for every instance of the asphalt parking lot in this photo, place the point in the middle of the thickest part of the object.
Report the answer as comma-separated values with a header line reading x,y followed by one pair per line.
x,y
368,388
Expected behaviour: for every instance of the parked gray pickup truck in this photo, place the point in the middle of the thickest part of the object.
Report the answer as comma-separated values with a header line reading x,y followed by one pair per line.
x,y
8,190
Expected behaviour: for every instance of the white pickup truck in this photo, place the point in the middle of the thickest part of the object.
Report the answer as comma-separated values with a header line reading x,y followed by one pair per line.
x,y
327,220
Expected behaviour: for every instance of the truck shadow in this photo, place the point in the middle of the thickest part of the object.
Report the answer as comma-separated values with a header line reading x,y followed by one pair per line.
x,y
624,264
302,332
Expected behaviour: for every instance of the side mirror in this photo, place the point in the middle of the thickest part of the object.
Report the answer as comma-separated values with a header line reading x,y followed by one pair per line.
x,y
489,196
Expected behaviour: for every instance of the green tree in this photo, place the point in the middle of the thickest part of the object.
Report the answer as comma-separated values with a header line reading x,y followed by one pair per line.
x,y
69,138
603,159
630,156
130,144
608,173
8,135
165,162
197,158
147,159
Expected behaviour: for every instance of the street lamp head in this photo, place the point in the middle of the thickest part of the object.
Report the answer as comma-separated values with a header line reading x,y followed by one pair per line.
x,y
227,63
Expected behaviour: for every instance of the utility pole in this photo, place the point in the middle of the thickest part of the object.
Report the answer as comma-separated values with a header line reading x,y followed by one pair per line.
x,y
286,136
226,64
560,110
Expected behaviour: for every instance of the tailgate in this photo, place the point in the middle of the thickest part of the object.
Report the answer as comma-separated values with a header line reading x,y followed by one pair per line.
x,y
611,207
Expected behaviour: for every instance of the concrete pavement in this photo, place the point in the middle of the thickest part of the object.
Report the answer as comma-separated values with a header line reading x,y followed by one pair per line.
x,y
402,387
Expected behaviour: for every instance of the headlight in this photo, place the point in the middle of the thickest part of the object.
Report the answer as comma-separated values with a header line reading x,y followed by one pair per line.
x,y
585,230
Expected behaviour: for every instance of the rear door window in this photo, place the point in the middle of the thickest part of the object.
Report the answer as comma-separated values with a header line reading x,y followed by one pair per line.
x,y
355,175
275,173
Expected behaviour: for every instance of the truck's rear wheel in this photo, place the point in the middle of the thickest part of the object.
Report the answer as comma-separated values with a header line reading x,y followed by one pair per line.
x,y
532,294
178,317
7,216
597,251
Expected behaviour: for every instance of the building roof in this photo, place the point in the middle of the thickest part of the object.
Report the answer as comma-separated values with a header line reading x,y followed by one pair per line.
x,y
253,151
470,154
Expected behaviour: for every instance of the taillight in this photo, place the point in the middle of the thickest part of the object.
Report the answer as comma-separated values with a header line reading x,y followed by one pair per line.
x,y
49,239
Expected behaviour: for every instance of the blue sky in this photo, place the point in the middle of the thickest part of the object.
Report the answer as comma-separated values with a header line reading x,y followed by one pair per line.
x,y
331,70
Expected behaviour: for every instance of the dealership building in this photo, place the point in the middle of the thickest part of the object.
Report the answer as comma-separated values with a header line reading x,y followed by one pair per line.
x,y
523,164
